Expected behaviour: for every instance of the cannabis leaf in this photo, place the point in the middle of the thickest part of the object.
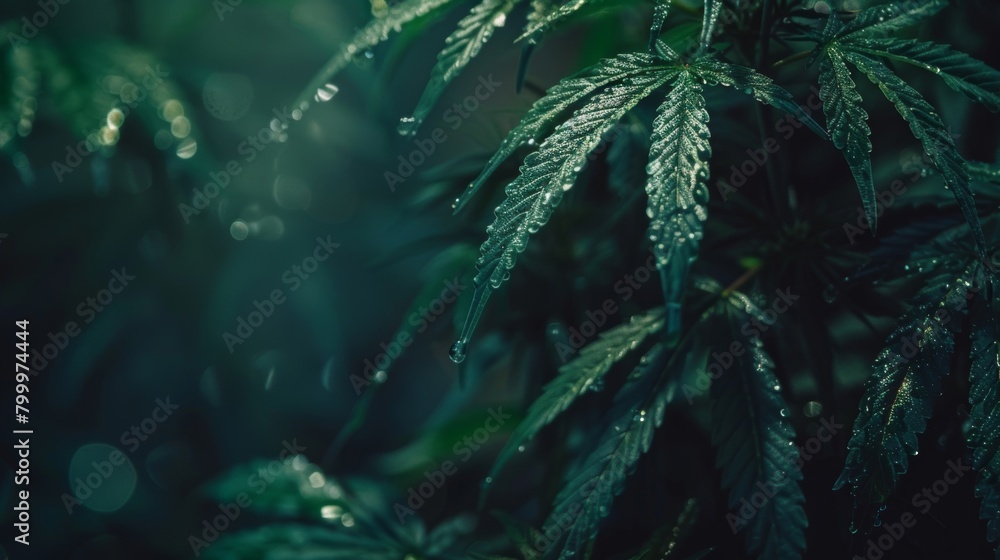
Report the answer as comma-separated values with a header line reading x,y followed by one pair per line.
x,y
861,42
927,127
664,543
553,168
986,172
754,441
757,85
848,124
713,9
462,46
959,71
545,176
544,22
637,412
372,34
660,12
907,376
559,99
578,376
984,399
677,187
895,16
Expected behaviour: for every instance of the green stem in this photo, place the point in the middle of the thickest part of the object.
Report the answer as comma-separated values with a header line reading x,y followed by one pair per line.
x,y
743,279
779,199
794,58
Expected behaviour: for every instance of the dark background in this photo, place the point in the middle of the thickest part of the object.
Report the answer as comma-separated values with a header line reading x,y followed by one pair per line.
x,y
291,380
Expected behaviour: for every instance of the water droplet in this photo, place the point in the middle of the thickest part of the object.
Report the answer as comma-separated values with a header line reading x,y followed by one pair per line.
x,y
326,377
239,230
408,126
830,294
520,448
180,127
116,118
853,528
187,149
812,409
783,412
457,352
326,93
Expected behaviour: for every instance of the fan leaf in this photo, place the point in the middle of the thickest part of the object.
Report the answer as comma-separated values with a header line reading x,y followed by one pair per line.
x,y
755,448
559,98
713,9
372,34
898,397
962,73
879,20
984,402
545,176
577,377
678,185
848,124
660,12
541,24
462,46
757,85
637,412
928,128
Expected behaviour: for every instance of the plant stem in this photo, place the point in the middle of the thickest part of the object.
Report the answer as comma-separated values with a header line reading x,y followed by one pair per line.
x,y
779,199
788,60
743,279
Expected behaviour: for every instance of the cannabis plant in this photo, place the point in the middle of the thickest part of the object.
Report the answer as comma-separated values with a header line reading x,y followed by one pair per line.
x,y
730,260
